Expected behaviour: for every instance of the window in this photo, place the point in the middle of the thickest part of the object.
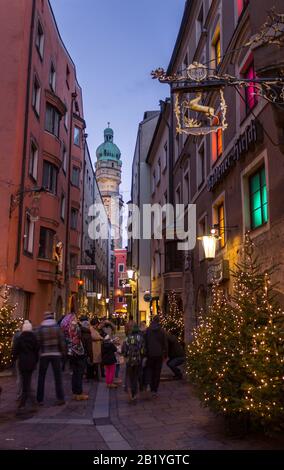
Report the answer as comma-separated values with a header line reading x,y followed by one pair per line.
x,y
52,77
242,4
67,77
73,264
199,24
74,218
258,198
52,119
77,136
165,159
216,47
120,300
153,181
121,268
62,207
250,96
28,234
186,190
221,224
173,257
36,96
33,163
39,39
46,241
64,158
200,166
66,117
217,143
49,179
178,195
121,282
75,176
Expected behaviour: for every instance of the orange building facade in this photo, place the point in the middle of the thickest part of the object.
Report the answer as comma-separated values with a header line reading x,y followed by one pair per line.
x,y
42,142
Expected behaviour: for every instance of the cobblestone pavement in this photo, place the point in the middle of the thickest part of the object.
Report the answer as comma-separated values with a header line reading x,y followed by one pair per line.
x,y
173,421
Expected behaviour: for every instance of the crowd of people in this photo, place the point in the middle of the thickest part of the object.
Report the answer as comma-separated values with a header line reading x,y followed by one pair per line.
x,y
91,349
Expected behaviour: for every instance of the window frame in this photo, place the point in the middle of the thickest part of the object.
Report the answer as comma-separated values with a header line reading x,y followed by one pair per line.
x,y
52,77
40,45
33,160
76,128
74,218
55,114
53,170
48,250
74,180
36,95
29,231
258,172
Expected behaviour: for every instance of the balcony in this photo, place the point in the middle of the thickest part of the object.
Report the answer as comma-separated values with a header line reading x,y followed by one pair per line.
x,y
46,270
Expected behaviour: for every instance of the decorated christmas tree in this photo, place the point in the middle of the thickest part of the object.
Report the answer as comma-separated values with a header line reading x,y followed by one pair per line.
x,y
173,321
8,326
236,358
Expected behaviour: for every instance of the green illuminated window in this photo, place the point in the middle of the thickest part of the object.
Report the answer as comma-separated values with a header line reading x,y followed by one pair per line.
x,y
258,198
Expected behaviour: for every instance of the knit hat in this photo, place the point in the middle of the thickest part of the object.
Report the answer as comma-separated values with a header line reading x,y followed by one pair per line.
x,y
27,326
48,315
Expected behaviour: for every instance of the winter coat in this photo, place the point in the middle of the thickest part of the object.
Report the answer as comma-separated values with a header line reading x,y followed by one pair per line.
x,y
108,353
175,349
51,339
96,345
87,342
156,341
26,350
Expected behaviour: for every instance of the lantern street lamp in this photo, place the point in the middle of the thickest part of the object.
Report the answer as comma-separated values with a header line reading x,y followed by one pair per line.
x,y
209,244
107,300
130,273
99,296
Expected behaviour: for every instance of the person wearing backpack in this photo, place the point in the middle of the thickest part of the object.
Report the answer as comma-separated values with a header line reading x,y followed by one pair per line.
x,y
133,350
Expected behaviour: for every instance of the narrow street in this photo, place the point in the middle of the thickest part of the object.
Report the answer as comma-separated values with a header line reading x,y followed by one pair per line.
x,y
173,421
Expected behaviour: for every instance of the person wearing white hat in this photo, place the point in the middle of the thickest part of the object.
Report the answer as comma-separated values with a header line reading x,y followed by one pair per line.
x,y
26,350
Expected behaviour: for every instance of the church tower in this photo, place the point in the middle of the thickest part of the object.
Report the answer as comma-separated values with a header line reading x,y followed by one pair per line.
x,y
108,175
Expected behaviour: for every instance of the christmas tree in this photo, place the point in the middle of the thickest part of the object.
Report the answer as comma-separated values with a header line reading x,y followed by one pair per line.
x,y
172,321
236,358
8,327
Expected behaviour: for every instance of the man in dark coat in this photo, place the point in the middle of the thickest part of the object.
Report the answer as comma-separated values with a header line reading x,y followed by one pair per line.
x,y
176,355
156,350
26,351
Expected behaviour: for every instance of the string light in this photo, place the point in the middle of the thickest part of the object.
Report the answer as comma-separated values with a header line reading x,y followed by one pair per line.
x,y
173,321
8,327
236,358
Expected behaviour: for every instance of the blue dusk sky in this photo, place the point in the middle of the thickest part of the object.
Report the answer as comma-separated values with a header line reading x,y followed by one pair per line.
x,y
115,44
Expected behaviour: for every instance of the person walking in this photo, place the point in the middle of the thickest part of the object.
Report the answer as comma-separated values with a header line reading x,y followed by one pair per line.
x,y
133,350
19,387
176,355
156,350
52,348
109,360
87,344
76,354
26,352
96,347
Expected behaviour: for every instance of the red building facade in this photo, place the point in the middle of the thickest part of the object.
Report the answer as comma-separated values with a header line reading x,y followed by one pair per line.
x,y
120,280
42,155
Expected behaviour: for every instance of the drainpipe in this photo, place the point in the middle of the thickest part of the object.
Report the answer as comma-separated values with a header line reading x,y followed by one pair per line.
x,y
67,240
25,141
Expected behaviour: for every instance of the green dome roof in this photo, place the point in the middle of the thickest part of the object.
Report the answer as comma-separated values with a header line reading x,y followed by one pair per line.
x,y
108,150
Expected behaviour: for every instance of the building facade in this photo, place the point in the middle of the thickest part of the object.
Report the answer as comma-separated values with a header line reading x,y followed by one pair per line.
x,y
42,131
94,274
139,249
120,282
234,177
108,174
